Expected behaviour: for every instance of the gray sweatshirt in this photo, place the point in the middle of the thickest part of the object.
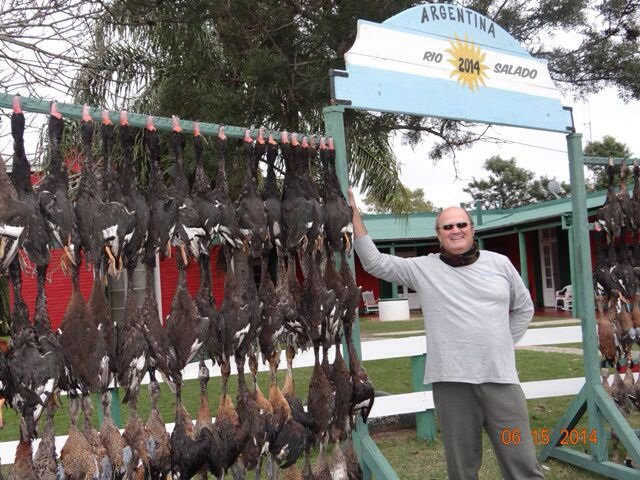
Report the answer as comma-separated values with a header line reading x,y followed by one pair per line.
x,y
473,315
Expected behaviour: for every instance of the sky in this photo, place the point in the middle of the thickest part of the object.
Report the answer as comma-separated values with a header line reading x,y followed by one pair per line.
x,y
545,153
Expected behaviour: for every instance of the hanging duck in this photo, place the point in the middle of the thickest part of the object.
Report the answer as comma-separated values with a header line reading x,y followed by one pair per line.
x,y
338,227
36,242
250,210
53,196
14,218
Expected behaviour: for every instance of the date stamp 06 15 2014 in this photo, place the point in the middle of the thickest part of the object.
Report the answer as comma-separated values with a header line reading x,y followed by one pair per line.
x,y
542,436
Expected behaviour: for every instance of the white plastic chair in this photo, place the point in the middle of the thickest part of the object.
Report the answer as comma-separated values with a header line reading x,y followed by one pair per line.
x,y
564,298
370,303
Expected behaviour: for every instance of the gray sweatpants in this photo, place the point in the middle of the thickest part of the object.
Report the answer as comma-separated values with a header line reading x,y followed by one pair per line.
x,y
464,409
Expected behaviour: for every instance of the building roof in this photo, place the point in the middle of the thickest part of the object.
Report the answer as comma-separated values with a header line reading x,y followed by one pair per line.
x,y
421,226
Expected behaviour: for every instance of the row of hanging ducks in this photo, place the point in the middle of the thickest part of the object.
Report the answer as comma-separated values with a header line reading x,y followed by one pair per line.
x,y
115,225
616,280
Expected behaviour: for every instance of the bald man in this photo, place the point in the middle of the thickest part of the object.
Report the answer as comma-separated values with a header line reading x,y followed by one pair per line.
x,y
475,309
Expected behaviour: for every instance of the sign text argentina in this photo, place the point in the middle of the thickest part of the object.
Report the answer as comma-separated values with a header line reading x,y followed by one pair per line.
x,y
466,66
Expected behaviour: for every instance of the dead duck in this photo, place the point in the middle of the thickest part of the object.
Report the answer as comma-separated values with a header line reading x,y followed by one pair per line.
x,y
610,215
619,394
132,349
338,227
23,468
187,331
163,209
321,399
162,355
271,197
76,457
201,190
189,453
306,156
189,236
116,447
132,199
45,461
117,223
340,427
250,209
36,241
159,440
354,294
363,390
138,438
231,434
289,438
271,324
607,342
635,199
354,471
227,227
35,375
296,208
203,418
14,218
624,198
55,204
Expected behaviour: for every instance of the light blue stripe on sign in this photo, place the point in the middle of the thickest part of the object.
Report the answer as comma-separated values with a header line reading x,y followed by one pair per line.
x,y
388,91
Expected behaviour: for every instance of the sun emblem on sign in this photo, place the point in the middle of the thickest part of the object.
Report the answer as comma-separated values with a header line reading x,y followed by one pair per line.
x,y
467,60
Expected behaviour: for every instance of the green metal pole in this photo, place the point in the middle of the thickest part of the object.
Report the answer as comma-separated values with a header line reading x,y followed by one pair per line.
x,y
136,120
524,268
425,421
584,287
394,285
373,462
572,270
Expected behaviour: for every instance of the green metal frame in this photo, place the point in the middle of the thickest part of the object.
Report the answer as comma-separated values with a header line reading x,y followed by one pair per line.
x,y
592,400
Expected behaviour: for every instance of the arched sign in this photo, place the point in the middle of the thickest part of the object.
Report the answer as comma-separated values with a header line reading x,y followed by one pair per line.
x,y
448,61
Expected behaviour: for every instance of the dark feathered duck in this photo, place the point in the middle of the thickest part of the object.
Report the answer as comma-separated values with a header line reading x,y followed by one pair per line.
x,y
337,212
227,227
203,418
207,311
610,215
635,199
82,343
340,427
35,373
202,192
353,295
625,199
306,157
138,438
240,311
272,328
100,313
52,191
103,225
162,355
607,338
189,454
363,391
132,199
132,349
250,209
321,399
36,242
295,324
186,329
163,209
298,412
189,236
296,208
317,303
14,218
271,197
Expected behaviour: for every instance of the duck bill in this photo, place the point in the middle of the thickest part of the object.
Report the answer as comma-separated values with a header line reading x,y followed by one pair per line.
x,y
112,261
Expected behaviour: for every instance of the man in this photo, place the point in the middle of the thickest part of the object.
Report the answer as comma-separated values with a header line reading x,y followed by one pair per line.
x,y
475,309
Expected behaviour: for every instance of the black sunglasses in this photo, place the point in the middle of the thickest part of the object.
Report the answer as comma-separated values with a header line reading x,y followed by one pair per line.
x,y
449,226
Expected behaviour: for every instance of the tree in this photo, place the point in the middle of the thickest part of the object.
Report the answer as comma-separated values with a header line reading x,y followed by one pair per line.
x,y
266,62
415,198
607,147
510,186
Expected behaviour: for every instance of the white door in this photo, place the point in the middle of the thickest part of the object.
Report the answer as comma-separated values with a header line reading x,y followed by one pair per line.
x,y
548,260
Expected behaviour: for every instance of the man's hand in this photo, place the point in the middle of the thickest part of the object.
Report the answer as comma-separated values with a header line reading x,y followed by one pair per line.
x,y
359,229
